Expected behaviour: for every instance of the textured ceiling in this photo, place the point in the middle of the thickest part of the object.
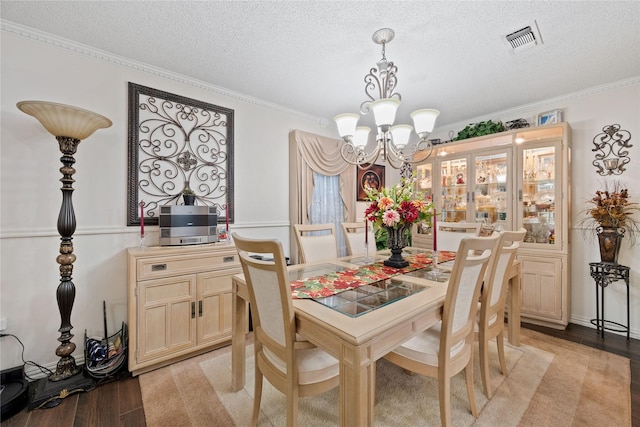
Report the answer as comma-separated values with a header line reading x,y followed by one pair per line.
x,y
311,56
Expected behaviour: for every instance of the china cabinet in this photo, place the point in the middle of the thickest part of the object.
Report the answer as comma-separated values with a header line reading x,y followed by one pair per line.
x,y
514,179
179,302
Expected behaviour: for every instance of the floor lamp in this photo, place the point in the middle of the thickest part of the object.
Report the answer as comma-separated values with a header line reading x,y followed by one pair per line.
x,y
69,125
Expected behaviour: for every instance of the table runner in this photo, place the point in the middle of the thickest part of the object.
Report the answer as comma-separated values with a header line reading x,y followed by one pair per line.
x,y
334,283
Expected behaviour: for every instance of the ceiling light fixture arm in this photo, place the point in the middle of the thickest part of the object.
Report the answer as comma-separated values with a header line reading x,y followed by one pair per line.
x,y
355,155
412,153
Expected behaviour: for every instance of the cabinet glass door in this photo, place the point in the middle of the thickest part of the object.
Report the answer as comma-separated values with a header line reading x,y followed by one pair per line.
x,y
540,201
425,185
491,195
424,180
454,194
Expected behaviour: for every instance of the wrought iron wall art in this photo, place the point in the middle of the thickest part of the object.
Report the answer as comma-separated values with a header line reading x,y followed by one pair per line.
x,y
177,143
516,124
611,150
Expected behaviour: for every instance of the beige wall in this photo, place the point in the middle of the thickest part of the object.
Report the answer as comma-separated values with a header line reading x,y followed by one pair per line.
x,y
31,197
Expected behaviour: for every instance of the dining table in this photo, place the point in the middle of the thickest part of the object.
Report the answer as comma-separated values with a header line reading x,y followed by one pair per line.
x,y
356,326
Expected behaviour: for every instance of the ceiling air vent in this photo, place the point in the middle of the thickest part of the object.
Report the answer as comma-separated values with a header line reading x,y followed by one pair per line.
x,y
523,38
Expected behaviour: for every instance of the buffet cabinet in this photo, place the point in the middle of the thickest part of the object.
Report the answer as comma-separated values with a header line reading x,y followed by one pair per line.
x,y
179,302
511,180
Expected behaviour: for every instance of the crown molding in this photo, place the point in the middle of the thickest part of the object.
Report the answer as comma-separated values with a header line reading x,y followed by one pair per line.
x,y
546,104
86,50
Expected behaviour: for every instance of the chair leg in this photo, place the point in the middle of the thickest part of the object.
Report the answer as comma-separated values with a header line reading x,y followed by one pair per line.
x,y
503,363
484,365
444,388
257,396
468,373
292,408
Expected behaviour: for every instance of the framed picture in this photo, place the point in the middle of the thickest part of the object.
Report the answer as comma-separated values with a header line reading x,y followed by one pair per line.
x,y
549,117
372,177
176,145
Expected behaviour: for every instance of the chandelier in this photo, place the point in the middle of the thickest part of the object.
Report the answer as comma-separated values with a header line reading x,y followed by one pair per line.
x,y
392,141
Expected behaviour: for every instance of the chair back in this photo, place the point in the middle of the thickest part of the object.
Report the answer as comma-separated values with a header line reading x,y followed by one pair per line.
x,y
450,234
495,286
270,296
316,242
354,235
473,257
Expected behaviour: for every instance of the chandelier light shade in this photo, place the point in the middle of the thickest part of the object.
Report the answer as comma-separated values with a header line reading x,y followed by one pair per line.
x,y
346,123
424,121
384,112
361,136
392,141
69,125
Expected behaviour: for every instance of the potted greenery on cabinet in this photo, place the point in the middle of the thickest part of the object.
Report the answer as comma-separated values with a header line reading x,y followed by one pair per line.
x,y
479,129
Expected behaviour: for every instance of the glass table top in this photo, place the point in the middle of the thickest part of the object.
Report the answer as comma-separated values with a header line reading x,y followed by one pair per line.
x,y
409,250
362,260
437,275
367,298
306,271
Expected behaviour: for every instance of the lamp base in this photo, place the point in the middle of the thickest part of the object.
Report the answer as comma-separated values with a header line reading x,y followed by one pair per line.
x,y
45,393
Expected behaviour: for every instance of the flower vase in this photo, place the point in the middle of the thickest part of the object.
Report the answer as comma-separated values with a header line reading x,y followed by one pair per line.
x,y
396,241
609,239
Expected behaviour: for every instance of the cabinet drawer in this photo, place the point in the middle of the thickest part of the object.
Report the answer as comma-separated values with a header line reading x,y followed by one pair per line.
x,y
167,266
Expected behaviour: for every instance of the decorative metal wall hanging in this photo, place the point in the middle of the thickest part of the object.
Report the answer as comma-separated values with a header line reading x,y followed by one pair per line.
x,y
516,124
611,150
175,144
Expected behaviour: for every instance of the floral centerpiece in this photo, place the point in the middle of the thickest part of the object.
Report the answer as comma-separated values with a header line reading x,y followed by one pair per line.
x,y
396,209
610,216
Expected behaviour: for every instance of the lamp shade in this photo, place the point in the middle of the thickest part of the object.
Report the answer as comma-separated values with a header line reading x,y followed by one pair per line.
x,y
361,136
346,124
400,135
64,120
384,111
424,120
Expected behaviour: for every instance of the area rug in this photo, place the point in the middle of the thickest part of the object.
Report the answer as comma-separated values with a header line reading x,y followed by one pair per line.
x,y
551,382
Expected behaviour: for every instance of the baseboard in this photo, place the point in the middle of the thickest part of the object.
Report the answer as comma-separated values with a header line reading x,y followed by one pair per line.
x,y
578,320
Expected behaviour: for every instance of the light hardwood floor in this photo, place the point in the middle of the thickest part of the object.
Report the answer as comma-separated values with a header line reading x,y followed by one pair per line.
x,y
119,403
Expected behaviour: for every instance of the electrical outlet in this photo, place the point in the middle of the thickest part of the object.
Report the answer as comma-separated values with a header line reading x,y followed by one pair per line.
x,y
3,324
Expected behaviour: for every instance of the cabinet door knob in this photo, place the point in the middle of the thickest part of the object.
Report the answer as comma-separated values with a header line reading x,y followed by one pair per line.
x,y
193,309
200,308
228,258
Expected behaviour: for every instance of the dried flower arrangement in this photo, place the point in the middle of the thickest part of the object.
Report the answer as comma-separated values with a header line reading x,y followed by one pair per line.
x,y
612,209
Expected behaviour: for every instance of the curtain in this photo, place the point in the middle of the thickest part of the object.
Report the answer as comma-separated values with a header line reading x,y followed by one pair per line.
x,y
327,206
308,154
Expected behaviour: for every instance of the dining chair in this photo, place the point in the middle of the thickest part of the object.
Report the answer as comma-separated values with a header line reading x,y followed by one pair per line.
x,y
354,234
492,302
316,242
446,348
296,368
449,234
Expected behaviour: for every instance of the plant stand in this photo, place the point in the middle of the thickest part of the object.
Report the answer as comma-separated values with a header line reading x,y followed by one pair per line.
x,y
605,273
